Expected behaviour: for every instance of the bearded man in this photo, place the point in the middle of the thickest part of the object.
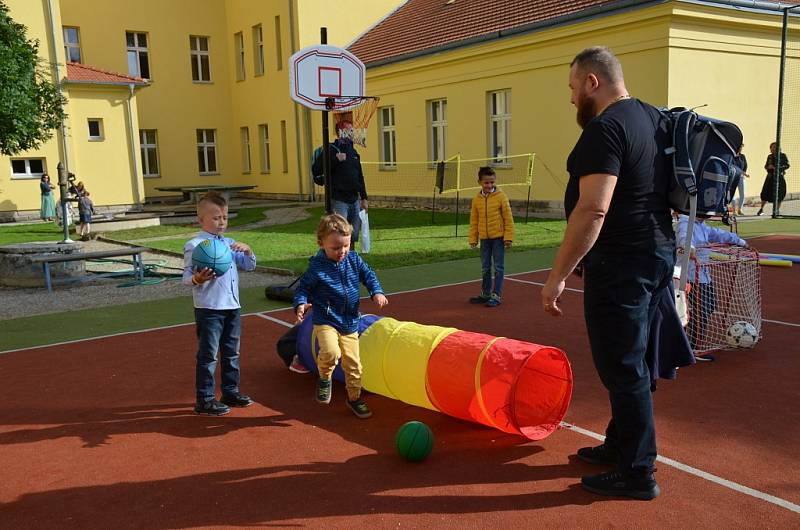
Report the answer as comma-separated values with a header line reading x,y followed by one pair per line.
x,y
619,235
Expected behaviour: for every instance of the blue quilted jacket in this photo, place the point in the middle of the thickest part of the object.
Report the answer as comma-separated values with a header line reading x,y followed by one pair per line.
x,y
334,289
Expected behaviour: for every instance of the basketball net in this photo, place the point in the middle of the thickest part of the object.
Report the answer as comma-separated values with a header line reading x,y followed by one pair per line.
x,y
359,118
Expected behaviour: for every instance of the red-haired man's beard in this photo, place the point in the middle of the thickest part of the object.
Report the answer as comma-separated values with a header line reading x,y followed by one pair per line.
x,y
585,110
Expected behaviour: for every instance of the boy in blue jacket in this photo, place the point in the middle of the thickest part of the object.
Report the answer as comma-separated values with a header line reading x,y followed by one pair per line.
x,y
332,281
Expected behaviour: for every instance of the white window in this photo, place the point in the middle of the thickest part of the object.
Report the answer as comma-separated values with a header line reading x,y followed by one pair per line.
x,y
72,45
500,126
207,151
239,59
258,50
263,141
201,66
148,139
388,151
27,167
437,114
244,133
95,129
284,147
138,56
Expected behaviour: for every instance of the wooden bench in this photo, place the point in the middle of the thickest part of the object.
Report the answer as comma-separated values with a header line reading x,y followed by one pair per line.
x,y
47,259
192,193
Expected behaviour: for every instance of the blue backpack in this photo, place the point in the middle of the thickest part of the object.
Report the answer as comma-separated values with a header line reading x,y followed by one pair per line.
x,y
706,168
704,159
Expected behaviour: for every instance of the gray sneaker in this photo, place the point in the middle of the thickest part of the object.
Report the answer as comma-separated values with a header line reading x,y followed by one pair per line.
x,y
324,391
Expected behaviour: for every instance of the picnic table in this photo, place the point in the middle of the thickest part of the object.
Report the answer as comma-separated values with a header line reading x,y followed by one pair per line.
x,y
192,193
47,259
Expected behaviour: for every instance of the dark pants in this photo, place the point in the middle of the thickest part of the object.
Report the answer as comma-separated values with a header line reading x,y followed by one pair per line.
x,y
620,302
218,330
493,250
702,304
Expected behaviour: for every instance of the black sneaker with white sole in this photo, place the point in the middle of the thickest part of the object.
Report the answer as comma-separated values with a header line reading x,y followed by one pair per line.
x,y
618,484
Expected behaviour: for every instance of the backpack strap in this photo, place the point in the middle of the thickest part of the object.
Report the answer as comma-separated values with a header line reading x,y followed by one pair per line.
x,y
682,159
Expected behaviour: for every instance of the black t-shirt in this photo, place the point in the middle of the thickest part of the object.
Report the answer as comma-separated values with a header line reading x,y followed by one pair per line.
x,y
626,140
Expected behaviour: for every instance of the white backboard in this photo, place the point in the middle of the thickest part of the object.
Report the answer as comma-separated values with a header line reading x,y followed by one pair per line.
x,y
320,72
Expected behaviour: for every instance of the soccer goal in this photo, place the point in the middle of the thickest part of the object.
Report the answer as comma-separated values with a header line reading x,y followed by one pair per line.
x,y
724,298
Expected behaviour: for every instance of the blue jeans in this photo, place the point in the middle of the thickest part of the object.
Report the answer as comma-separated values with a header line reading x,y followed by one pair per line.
x,y
349,210
621,295
493,250
218,330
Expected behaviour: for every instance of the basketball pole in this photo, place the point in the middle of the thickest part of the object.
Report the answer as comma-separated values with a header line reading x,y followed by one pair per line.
x,y
326,161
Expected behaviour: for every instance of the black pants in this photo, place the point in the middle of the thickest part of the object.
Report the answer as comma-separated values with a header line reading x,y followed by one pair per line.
x,y
620,302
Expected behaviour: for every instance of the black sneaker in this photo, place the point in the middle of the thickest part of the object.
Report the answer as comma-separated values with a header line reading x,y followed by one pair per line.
x,y
481,299
617,484
760,212
212,408
237,400
359,408
323,391
600,454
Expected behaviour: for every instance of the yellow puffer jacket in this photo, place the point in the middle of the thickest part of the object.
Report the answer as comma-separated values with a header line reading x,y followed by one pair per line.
x,y
491,218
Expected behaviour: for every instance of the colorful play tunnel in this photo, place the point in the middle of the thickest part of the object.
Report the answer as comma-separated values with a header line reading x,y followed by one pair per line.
x,y
515,386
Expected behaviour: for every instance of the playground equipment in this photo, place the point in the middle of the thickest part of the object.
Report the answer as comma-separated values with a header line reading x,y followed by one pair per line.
x,y
515,386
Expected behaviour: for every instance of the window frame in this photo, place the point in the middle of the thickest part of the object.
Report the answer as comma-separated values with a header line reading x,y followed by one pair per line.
x,y
437,144
138,50
239,57
100,129
28,173
259,66
196,55
388,159
278,43
247,161
70,45
145,146
263,143
207,146
496,119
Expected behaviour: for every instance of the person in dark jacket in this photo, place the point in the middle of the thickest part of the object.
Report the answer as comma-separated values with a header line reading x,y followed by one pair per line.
x,y
347,178
768,189
332,279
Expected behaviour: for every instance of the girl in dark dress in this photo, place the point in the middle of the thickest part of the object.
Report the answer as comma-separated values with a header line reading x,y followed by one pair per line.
x,y
768,190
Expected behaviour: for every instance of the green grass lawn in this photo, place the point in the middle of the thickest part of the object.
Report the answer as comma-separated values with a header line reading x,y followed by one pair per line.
x,y
399,238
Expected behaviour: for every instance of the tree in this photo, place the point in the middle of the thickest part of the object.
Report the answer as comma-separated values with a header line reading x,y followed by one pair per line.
x,y
31,106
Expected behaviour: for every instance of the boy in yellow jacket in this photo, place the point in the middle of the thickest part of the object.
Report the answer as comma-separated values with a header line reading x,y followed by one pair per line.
x,y
490,221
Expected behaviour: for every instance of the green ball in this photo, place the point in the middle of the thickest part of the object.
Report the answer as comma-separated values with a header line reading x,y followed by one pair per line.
x,y
414,441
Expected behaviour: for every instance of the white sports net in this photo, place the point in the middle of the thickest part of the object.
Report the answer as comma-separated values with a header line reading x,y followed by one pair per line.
x,y
725,288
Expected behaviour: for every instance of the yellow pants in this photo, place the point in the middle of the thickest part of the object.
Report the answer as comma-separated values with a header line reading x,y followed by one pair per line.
x,y
332,347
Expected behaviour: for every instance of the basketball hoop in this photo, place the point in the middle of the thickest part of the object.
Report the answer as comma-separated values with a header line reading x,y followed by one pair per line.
x,y
358,117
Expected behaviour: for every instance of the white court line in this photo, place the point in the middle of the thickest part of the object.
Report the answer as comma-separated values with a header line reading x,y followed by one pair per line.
x,y
779,322
259,314
735,486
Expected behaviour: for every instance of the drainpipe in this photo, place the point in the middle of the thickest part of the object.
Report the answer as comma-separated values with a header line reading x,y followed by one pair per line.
x,y
132,140
63,165
297,123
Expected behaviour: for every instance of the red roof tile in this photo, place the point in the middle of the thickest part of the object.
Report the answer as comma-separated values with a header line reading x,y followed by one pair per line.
x,y
420,25
423,24
83,74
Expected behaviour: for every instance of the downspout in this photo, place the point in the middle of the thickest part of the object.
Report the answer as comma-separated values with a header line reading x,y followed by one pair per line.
x,y
299,145
132,141
56,67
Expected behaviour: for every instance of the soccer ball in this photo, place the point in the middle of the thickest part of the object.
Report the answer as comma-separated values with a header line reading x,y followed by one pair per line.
x,y
741,334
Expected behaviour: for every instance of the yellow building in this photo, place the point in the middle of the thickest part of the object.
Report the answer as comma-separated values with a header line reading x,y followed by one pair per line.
x,y
497,85
216,109
101,128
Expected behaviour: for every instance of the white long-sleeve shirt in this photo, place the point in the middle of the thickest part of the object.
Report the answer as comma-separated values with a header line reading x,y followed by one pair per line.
x,y
703,236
